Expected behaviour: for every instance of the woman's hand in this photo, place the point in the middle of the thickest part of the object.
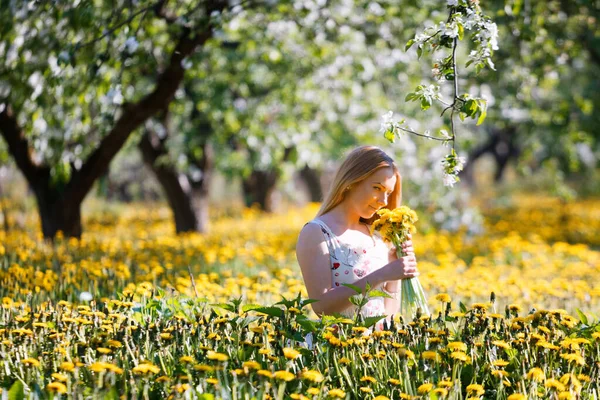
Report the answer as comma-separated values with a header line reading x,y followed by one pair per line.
x,y
402,268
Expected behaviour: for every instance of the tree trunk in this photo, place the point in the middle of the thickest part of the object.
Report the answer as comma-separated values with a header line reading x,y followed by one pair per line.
x,y
259,188
57,213
188,199
312,179
62,212
502,145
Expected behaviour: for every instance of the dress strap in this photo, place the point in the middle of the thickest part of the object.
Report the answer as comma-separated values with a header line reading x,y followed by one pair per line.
x,y
327,233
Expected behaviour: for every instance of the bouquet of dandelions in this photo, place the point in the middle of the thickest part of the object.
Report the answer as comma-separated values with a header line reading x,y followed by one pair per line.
x,y
395,226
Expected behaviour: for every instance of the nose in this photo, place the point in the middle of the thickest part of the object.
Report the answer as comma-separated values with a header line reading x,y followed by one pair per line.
x,y
382,199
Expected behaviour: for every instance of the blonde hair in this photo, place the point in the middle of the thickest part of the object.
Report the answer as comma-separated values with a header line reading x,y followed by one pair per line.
x,y
358,165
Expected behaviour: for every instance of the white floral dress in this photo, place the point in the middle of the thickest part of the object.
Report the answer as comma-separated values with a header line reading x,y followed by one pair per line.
x,y
350,263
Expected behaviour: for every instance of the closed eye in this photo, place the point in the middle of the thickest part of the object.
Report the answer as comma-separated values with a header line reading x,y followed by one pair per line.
x,y
388,192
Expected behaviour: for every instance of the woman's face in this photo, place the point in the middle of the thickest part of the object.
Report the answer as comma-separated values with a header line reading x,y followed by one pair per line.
x,y
372,193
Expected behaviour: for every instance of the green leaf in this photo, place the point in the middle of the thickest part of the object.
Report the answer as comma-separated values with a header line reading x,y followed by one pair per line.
x,y
379,293
306,323
461,31
409,44
390,136
483,111
225,306
425,103
411,96
419,51
206,396
305,302
353,287
272,311
462,307
356,300
17,391
250,307
370,321
582,316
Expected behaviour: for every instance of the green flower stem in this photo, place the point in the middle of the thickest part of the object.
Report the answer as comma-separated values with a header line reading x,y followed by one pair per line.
x,y
412,295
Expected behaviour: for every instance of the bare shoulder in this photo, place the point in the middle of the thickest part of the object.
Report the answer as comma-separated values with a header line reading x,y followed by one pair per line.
x,y
311,242
310,238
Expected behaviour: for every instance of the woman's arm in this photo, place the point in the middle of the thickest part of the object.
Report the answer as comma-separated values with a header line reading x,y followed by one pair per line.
x,y
313,257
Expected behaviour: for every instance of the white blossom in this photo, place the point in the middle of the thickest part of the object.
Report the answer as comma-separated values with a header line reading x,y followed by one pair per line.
x,y
450,180
452,2
460,164
386,121
131,45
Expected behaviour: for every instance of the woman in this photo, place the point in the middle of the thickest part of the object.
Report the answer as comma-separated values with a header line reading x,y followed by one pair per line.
x,y
337,246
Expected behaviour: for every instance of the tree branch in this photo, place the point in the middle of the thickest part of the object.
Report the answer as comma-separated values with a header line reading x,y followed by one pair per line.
x,y
135,114
18,145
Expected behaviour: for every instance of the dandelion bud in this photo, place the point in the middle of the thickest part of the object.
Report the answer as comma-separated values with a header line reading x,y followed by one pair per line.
x,y
492,297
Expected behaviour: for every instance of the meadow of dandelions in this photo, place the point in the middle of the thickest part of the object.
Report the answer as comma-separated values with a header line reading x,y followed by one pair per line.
x,y
117,313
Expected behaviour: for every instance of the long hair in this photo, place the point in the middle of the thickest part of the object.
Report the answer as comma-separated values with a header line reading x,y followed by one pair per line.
x,y
358,165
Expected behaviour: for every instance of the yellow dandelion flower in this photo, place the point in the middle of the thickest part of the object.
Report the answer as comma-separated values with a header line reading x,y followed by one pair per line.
x,y
367,378
339,393
536,374
443,297
515,308
574,358
162,379
313,391
430,355
265,373
313,376
103,350
366,389
344,361
395,382
555,385
204,368
500,363
146,368
445,384
297,396
114,343
290,353
57,387
381,398
517,396
284,375
213,355
212,381
475,389
501,344
251,365
566,396
459,355
67,366
186,359
457,346
31,362
60,377
425,388
499,373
